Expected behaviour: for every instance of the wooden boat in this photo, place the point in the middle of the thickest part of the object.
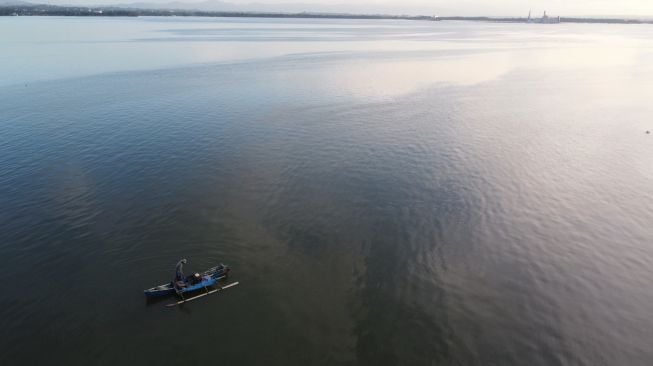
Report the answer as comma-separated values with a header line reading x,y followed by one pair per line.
x,y
190,283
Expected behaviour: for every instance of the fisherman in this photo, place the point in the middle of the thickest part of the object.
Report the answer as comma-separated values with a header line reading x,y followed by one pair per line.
x,y
179,272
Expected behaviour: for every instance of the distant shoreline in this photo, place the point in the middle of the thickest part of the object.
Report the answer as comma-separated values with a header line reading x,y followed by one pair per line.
x,y
562,20
55,10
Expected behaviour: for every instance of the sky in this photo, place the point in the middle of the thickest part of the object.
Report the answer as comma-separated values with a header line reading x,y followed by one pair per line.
x,y
429,7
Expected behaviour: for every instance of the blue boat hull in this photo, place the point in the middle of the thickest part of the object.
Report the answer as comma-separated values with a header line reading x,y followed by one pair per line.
x,y
208,278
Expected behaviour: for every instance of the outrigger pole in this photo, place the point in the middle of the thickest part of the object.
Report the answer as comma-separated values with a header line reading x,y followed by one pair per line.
x,y
202,295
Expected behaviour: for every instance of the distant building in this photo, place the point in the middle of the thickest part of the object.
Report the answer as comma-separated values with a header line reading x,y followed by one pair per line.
x,y
544,20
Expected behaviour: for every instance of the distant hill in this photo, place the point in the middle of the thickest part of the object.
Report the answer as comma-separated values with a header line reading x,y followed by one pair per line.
x,y
14,3
217,5
177,5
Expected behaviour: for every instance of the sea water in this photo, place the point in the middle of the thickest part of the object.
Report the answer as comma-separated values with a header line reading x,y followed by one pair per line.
x,y
386,192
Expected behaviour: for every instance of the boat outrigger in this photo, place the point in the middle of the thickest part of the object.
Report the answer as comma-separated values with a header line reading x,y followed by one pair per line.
x,y
187,284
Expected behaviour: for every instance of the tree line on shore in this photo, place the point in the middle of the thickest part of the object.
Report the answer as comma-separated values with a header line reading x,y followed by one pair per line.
x,y
54,10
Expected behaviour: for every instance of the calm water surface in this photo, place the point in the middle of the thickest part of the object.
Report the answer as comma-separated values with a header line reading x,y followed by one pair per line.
x,y
386,192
